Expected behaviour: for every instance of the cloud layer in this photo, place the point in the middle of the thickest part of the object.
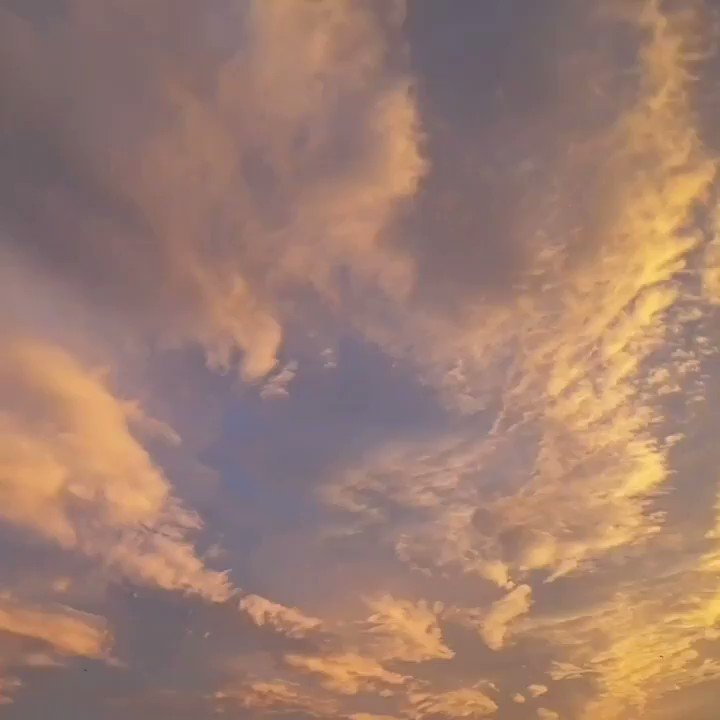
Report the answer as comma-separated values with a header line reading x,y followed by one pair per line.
x,y
359,359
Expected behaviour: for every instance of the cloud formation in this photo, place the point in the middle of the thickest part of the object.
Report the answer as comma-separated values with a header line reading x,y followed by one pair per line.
x,y
209,214
465,702
495,624
75,474
33,636
275,696
406,631
498,229
346,673
545,714
290,621
62,630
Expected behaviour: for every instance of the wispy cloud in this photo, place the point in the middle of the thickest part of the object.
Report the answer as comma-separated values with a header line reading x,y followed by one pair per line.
x,y
495,624
347,673
406,631
287,620
465,702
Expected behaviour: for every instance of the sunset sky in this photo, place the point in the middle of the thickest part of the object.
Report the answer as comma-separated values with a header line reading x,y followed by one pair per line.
x,y
360,359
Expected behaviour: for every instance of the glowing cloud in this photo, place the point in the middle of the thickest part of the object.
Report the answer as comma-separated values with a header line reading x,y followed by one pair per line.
x,y
501,301
545,714
465,702
287,620
495,624
63,630
275,696
346,673
406,631
74,473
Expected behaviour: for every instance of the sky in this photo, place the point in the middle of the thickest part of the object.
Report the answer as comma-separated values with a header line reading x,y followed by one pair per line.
x,y
360,359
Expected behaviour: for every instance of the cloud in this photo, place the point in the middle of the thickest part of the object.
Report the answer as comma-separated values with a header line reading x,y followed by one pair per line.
x,y
711,264
559,378
641,644
495,623
346,673
287,620
65,631
243,178
427,481
567,671
211,216
465,702
545,714
494,626
406,631
276,696
75,474
8,686
276,386
38,636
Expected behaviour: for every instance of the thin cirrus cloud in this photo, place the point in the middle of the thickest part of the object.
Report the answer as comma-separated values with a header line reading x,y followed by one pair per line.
x,y
62,630
40,637
245,203
275,696
346,673
287,620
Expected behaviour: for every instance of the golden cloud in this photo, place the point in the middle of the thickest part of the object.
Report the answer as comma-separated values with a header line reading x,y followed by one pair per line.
x,y
63,630
466,703
276,696
209,214
545,714
495,624
346,673
406,631
74,473
287,620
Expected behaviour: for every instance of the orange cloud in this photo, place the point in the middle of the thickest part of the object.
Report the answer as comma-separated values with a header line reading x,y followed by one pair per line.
x,y
212,215
496,622
74,473
465,702
346,673
406,631
545,714
276,696
569,363
65,631
287,620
